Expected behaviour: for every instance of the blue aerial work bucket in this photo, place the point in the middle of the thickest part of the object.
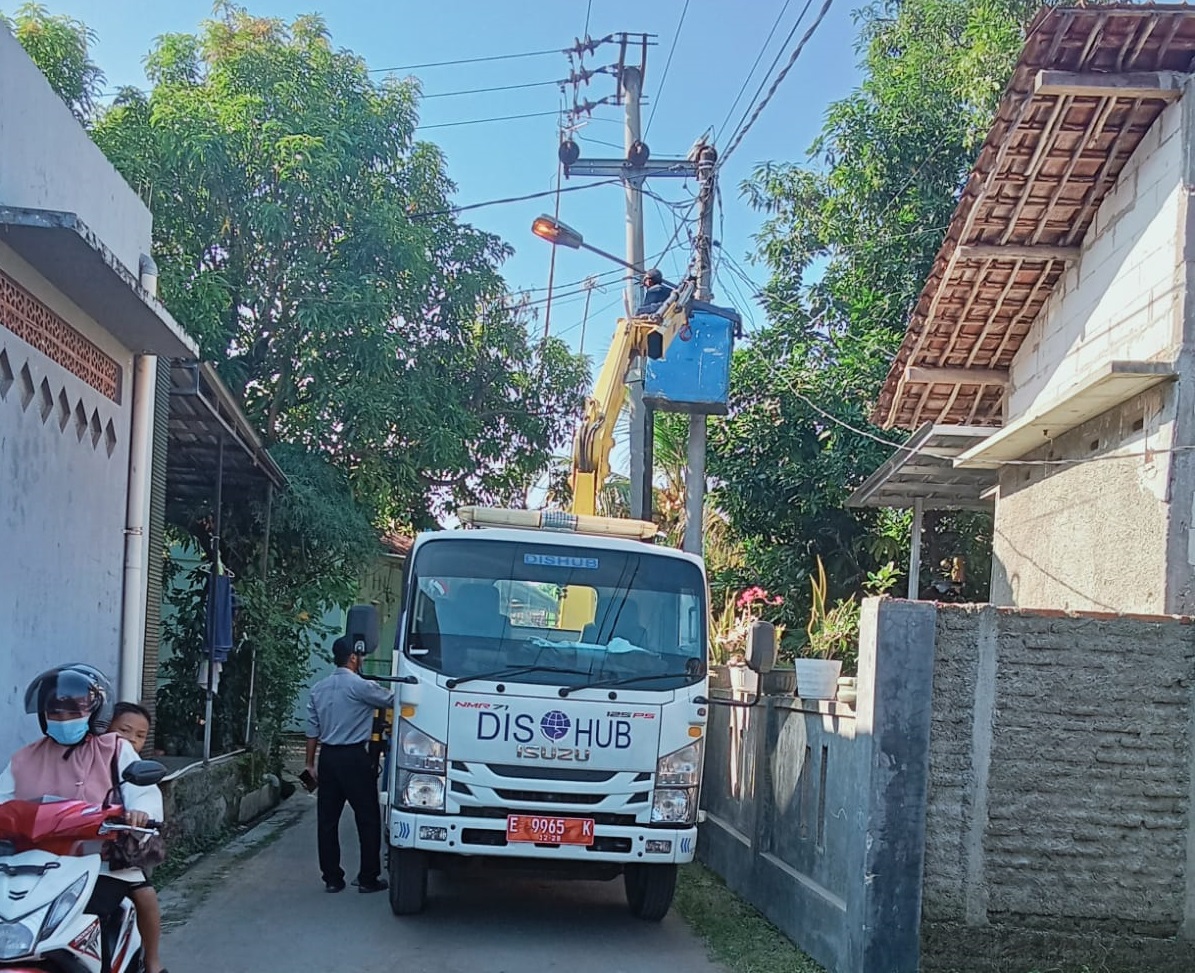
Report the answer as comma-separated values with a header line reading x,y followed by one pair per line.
x,y
694,374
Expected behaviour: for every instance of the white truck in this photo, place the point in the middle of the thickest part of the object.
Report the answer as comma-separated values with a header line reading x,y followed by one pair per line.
x,y
551,705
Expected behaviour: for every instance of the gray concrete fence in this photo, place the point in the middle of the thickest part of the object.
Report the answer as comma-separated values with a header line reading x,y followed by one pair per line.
x,y
1011,791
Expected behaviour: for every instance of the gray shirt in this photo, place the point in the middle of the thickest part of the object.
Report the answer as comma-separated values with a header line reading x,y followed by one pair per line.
x,y
340,712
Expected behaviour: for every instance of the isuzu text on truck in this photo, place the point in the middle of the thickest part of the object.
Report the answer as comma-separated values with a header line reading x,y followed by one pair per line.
x,y
551,705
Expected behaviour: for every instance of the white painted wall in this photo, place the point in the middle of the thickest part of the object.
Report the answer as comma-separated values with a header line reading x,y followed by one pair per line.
x,y
62,511
1091,530
49,162
1123,299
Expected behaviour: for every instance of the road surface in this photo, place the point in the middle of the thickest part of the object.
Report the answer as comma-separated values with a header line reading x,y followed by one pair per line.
x,y
262,909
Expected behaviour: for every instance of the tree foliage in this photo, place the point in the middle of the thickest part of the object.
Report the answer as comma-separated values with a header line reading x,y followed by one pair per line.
x,y
318,541
849,237
61,47
305,239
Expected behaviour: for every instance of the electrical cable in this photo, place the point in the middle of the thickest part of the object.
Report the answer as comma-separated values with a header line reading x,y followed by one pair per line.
x,y
771,67
667,64
486,91
743,129
508,199
466,60
482,121
750,74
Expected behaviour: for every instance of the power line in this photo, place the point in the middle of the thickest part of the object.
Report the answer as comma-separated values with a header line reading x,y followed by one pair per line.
x,y
667,65
482,121
772,67
452,211
744,129
486,91
751,73
465,60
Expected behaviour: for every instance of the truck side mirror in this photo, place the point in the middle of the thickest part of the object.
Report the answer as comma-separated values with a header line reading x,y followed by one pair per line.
x,y
761,646
363,628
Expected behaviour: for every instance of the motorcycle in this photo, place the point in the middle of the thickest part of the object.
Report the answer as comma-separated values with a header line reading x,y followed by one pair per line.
x,y
58,911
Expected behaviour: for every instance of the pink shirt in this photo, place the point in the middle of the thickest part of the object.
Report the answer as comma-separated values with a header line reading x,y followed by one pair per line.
x,y
80,773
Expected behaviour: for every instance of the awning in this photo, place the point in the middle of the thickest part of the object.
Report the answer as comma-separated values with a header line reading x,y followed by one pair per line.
x,y
202,413
1116,383
60,247
923,470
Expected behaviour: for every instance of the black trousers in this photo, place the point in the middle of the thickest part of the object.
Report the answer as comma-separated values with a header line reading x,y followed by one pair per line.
x,y
347,774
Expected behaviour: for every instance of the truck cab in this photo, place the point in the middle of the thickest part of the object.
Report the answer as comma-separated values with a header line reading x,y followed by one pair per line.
x,y
551,708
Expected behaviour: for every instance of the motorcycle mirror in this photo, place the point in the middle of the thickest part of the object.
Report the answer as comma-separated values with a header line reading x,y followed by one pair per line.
x,y
144,773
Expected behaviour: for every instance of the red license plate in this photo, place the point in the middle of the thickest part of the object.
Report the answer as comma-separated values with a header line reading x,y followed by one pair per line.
x,y
548,830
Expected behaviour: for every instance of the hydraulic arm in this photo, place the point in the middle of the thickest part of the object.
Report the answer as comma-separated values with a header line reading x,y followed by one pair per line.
x,y
646,337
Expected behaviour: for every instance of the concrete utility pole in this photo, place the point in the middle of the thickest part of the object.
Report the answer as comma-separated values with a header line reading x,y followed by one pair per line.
x,y
707,176
642,422
632,170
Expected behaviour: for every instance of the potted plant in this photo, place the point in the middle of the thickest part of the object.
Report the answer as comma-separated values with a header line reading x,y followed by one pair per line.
x,y
829,632
833,633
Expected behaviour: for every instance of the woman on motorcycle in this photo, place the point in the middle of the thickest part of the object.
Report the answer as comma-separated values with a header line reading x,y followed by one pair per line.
x,y
77,759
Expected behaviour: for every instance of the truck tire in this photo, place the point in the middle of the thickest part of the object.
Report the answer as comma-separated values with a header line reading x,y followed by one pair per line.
x,y
408,881
650,889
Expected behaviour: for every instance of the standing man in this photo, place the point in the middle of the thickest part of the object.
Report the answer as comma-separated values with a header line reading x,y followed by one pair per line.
x,y
339,723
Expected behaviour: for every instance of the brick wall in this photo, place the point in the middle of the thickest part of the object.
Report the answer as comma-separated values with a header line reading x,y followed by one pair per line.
x,y
1058,817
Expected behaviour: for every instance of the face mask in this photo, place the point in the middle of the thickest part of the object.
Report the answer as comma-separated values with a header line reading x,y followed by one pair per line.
x,y
67,732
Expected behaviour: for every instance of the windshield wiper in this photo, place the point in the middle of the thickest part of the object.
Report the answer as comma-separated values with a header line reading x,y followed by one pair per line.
x,y
625,680
511,673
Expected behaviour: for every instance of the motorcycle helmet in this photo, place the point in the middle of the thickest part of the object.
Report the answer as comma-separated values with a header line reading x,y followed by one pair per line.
x,y
75,690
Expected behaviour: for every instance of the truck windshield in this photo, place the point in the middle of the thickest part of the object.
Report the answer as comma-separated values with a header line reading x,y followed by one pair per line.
x,y
571,615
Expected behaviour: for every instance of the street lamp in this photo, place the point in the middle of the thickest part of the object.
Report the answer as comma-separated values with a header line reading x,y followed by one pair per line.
x,y
561,235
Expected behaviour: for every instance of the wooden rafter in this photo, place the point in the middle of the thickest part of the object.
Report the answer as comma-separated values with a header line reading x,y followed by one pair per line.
x,y
1050,159
1162,85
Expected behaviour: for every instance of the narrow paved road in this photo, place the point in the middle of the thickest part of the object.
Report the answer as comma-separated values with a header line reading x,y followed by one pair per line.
x,y
269,914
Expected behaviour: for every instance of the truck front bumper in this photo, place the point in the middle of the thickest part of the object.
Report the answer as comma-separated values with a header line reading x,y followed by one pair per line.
x,y
460,834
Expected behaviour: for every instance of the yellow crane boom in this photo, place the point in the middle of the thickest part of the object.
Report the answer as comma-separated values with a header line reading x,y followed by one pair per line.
x,y
594,439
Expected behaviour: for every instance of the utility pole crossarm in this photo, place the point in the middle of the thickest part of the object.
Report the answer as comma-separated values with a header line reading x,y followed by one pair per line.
x,y
622,169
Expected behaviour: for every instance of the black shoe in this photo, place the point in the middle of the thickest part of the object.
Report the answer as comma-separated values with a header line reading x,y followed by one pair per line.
x,y
334,886
377,885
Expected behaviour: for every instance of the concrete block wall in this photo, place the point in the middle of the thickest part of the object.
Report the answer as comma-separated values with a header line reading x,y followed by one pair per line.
x,y
1123,299
51,163
1058,821
1086,531
815,811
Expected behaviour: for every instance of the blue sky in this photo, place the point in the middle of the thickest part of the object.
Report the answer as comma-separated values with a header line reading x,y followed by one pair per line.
x,y
716,47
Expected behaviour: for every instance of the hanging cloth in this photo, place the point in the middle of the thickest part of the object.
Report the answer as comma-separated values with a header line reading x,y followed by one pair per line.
x,y
219,614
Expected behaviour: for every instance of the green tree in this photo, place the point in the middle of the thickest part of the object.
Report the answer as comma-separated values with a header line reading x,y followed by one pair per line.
x,y
849,238
306,240
61,47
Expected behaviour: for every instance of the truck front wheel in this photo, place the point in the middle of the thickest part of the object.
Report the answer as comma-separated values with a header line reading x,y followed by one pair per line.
x,y
650,889
408,881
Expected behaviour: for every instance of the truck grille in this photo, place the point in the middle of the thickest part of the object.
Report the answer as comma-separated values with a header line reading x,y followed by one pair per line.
x,y
494,790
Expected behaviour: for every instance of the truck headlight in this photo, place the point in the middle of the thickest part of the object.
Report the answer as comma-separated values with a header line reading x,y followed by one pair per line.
x,y
681,768
673,805
422,790
418,751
